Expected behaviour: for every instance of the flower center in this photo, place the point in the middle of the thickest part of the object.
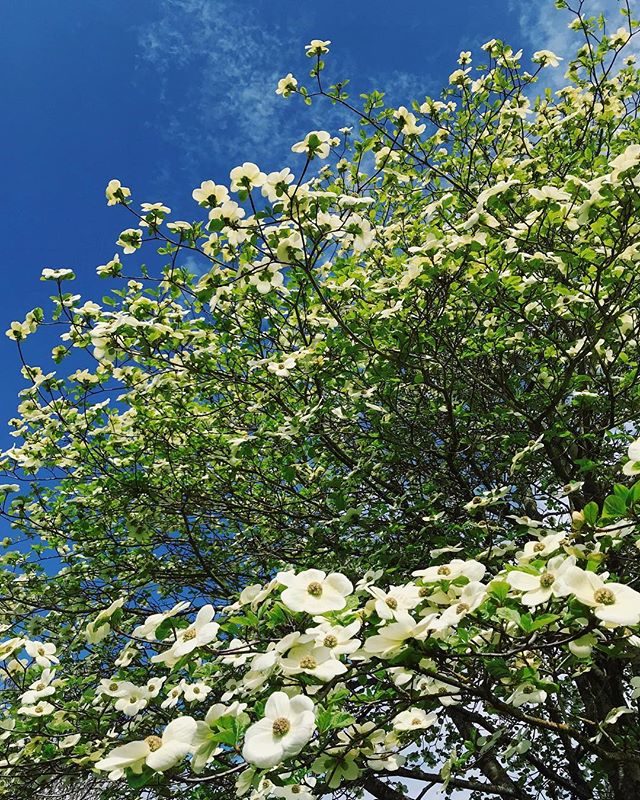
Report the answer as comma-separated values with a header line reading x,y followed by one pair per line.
x,y
547,579
40,687
281,726
308,662
196,690
153,743
330,641
444,571
314,589
392,602
538,547
113,687
189,634
295,789
38,709
461,608
41,651
604,596
416,721
424,591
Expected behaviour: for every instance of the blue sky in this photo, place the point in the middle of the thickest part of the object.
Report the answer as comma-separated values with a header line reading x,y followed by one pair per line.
x,y
163,94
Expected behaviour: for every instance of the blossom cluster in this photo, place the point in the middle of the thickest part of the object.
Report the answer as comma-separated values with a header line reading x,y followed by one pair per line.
x,y
336,503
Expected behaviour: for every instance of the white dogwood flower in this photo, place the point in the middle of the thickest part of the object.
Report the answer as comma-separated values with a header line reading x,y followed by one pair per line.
x,y
42,652
210,194
312,660
317,47
130,240
194,692
148,628
540,548
392,636
540,587
116,192
336,638
57,274
613,603
526,693
202,632
632,467
471,597
471,569
160,753
133,701
39,688
413,719
276,184
314,591
287,85
41,709
288,724
246,176
315,143
205,743
546,58
395,600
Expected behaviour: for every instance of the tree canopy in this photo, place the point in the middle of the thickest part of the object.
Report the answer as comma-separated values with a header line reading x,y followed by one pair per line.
x,y
337,492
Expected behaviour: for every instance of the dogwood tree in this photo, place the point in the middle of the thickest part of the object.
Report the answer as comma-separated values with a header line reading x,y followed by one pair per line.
x,y
352,506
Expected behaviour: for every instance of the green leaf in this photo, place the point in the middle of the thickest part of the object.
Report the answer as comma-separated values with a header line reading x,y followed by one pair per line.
x,y
543,621
614,506
591,513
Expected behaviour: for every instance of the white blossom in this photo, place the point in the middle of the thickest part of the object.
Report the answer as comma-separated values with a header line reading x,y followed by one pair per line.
x,y
287,726
314,591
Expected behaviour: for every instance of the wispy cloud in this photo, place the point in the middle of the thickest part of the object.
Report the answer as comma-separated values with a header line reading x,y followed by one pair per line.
x,y
220,67
545,27
220,71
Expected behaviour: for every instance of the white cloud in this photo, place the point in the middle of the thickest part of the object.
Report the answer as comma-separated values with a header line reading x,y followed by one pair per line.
x,y
220,66
220,71
402,87
215,72
546,28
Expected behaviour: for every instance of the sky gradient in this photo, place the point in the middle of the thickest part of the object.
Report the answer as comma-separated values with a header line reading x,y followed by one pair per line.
x,y
163,94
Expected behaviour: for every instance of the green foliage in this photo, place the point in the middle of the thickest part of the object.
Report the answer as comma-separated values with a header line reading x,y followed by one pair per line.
x,y
420,353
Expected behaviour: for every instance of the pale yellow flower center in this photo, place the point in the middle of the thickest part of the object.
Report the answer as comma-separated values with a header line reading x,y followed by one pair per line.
x,y
189,634
538,547
461,608
444,571
113,687
154,743
41,686
392,602
314,589
547,579
604,596
281,726
424,591
330,641
308,662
